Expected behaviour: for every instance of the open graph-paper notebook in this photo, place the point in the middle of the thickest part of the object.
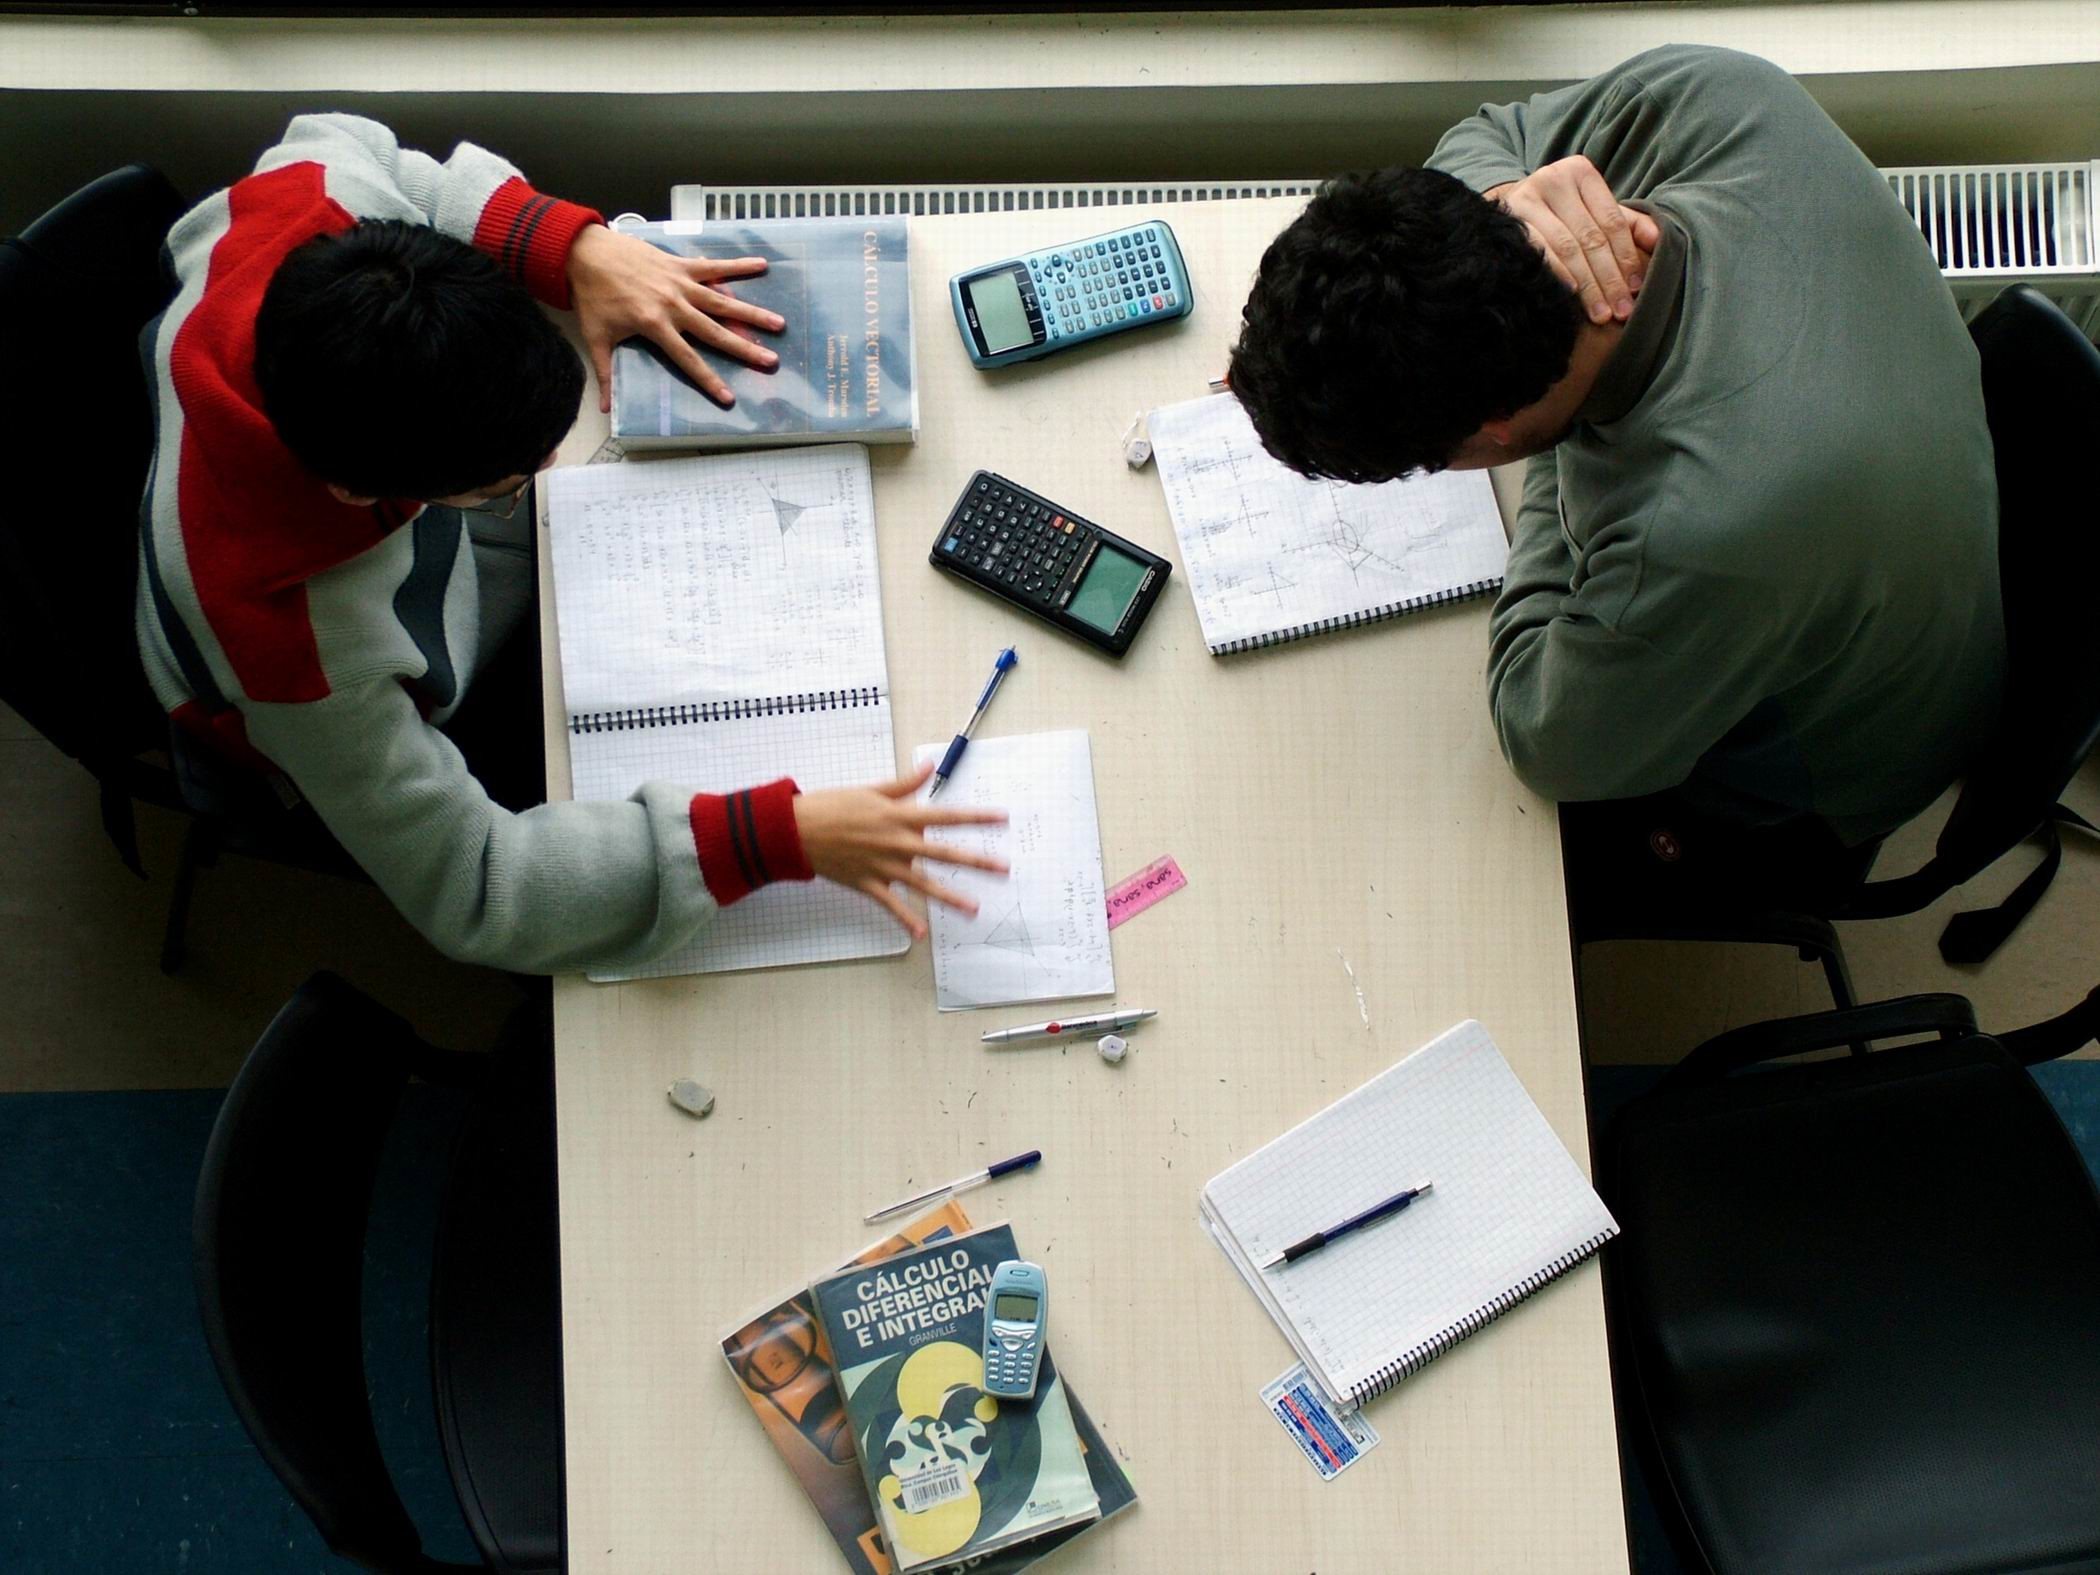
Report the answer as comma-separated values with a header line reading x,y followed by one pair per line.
x,y
1510,1212
1271,556
721,626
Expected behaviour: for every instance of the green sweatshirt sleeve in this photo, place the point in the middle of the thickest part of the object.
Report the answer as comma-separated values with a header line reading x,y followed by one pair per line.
x,y
1588,705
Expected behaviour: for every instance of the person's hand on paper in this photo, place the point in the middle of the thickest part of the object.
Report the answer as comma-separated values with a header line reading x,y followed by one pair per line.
x,y
867,838
623,286
1597,248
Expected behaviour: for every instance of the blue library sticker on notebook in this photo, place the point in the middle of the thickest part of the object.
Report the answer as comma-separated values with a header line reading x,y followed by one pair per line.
x,y
1332,1440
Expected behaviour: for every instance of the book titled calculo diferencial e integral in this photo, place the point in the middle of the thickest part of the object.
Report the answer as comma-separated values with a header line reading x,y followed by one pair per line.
x,y
847,367
1271,556
720,623
1509,1213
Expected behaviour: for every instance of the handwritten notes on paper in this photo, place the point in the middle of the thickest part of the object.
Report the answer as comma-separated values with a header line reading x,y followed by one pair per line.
x,y
1041,932
1273,556
676,578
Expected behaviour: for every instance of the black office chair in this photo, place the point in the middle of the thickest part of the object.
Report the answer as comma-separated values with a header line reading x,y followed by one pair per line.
x,y
279,1248
1856,1303
77,289
2041,394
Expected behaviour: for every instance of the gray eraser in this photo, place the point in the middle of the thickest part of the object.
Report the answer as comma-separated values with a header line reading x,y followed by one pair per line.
x,y
690,1097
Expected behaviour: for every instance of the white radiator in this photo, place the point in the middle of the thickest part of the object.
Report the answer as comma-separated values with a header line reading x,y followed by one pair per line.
x,y
1987,224
768,202
1991,224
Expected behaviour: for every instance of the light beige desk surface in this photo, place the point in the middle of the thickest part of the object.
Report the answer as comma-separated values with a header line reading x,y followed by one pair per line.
x,y
1363,872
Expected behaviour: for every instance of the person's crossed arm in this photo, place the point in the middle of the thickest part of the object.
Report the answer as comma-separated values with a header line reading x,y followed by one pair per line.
x,y
1597,248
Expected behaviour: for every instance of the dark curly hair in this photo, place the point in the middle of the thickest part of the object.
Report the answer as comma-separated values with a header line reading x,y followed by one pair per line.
x,y
1394,317
398,362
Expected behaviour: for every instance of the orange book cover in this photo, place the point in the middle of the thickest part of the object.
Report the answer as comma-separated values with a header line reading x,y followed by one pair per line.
x,y
783,1365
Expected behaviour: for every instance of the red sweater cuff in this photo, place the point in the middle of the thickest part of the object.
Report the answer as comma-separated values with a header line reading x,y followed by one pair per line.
x,y
530,235
747,840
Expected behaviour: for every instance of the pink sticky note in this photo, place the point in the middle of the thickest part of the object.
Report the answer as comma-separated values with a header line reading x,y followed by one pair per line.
x,y
1160,878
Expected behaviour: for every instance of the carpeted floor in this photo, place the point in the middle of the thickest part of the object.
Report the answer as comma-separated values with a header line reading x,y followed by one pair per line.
x,y
119,1454
118,1451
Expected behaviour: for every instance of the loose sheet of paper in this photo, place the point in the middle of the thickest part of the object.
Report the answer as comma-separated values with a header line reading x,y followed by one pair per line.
x,y
1041,932
1268,552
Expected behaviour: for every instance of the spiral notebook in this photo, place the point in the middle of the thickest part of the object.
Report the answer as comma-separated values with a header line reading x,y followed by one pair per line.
x,y
1271,556
721,626
1510,1213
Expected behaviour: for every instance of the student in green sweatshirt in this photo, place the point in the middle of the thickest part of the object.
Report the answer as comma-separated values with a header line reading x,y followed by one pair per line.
x,y
1752,595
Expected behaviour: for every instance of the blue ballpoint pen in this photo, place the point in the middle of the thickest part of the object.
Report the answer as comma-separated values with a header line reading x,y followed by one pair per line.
x,y
1000,669
1370,1216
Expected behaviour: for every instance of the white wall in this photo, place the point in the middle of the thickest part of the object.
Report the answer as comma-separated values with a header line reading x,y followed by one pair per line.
x,y
616,112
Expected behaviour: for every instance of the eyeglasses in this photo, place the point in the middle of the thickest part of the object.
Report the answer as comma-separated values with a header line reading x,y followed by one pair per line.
x,y
501,509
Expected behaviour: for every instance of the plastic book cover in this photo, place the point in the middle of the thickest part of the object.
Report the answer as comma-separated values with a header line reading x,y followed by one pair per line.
x,y
847,368
782,1363
953,1471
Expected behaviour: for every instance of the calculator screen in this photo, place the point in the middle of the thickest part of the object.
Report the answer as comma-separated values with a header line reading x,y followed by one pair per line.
x,y
1003,319
1021,1309
1108,589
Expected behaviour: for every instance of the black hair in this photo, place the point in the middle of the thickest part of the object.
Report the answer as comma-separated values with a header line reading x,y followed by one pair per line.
x,y
398,362
1393,318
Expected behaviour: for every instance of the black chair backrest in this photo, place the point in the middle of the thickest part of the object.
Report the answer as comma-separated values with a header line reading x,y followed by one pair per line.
x,y
2041,394
1858,1301
76,288
279,1234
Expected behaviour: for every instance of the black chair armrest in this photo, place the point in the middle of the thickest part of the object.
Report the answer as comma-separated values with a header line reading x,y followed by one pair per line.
x,y
1949,1016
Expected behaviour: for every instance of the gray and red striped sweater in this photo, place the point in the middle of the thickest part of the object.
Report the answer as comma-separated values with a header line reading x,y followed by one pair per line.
x,y
325,643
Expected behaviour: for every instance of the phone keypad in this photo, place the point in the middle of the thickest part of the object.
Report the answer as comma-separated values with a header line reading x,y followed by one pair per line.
x,y
1028,547
1010,1364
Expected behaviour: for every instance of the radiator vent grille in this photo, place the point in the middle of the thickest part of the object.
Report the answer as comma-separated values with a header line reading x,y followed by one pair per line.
x,y
1987,224
730,203
2002,220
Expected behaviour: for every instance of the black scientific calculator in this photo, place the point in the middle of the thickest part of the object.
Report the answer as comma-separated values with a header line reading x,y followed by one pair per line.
x,y
1048,561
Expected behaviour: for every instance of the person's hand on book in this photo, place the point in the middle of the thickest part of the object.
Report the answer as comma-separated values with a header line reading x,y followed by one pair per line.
x,y
1596,248
624,287
867,838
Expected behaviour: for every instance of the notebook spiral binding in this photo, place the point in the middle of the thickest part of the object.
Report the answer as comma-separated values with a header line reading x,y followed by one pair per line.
x,y
1300,631
722,710
1473,1322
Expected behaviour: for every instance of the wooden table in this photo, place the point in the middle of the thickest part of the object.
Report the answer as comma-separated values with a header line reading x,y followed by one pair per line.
x,y
1363,872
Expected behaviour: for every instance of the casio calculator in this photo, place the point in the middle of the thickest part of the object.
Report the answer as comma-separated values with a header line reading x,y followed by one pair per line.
x,y
1030,306
1048,561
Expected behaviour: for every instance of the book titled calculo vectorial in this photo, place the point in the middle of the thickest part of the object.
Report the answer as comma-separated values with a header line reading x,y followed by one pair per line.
x,y
953,1471
847,369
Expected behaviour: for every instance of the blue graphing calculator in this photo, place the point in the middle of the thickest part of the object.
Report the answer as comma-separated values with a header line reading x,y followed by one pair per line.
x,y
1028,307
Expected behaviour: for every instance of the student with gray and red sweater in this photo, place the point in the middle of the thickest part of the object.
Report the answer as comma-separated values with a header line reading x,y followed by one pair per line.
x,y
355,385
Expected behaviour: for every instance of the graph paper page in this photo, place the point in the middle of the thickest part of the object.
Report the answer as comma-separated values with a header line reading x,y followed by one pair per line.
x,y
723,577
1508,1201
790,921
1266,550
1041,932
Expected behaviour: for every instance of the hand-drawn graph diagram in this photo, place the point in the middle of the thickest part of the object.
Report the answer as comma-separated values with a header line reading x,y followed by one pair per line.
x,y
785,513
1268,551
1351,541
1010,934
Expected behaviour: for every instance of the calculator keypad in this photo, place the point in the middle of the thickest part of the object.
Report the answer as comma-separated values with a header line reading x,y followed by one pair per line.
x,y
1097,284
1025,545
